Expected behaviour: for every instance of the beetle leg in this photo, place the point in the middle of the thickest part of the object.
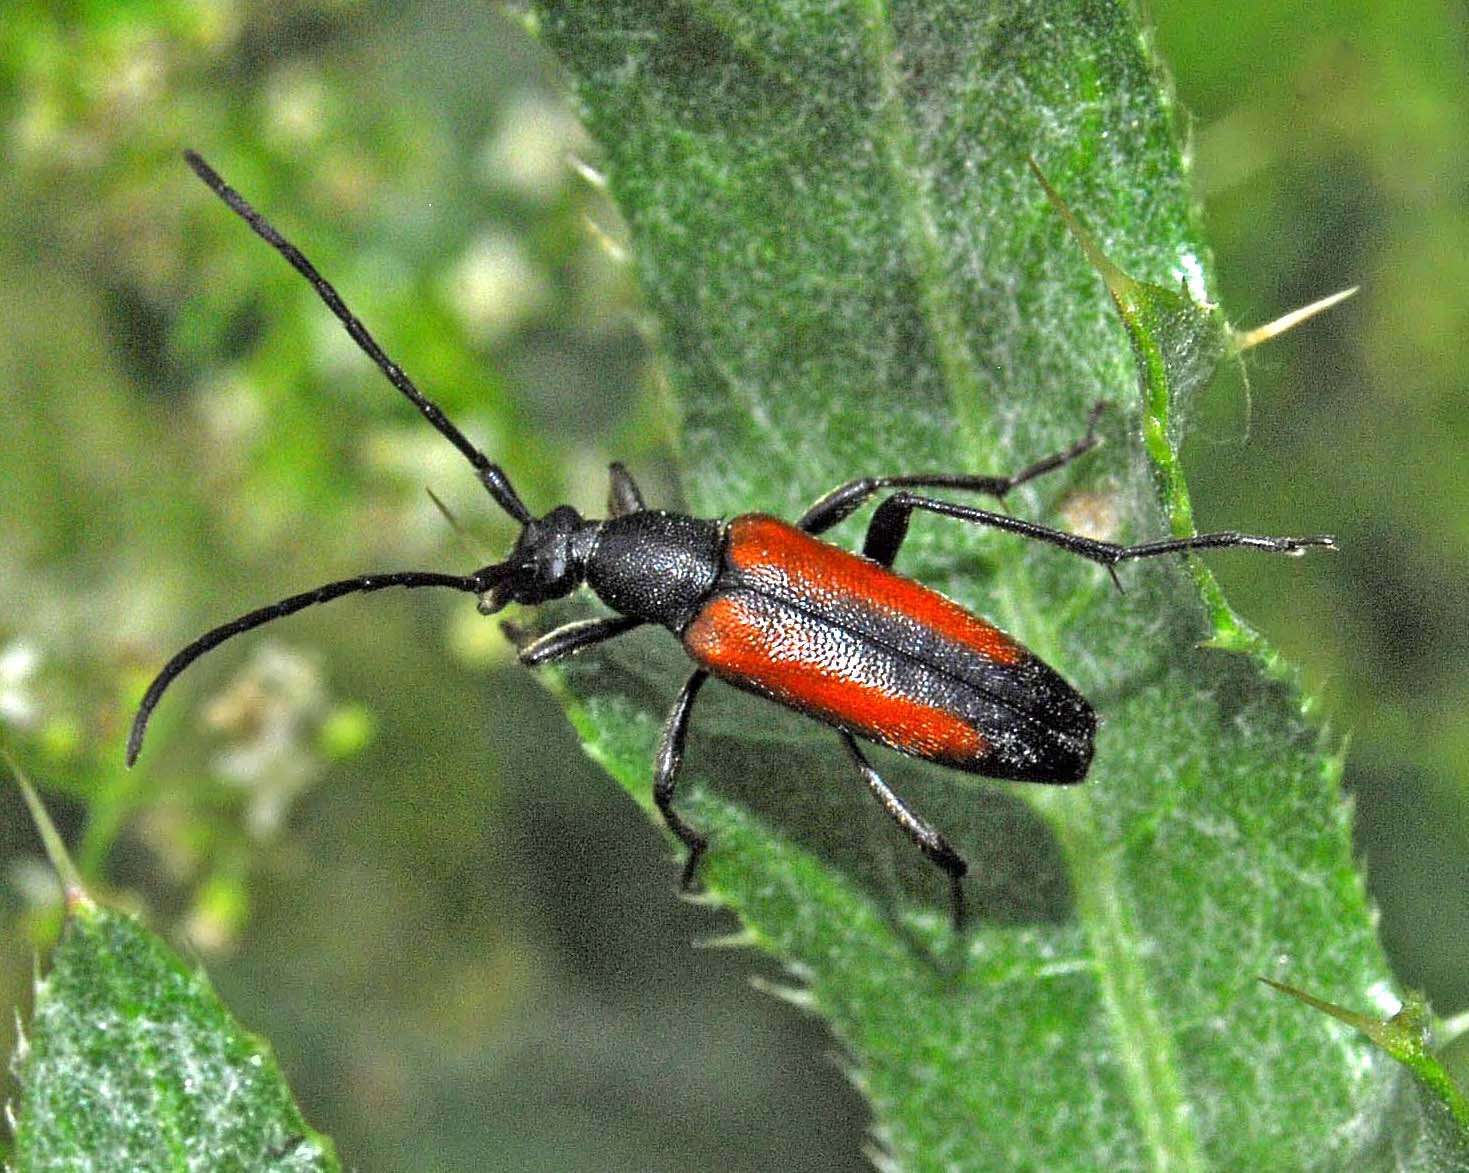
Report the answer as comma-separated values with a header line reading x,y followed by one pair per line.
x,y
665,773
623,494
933,845
889,526
570,639
842,501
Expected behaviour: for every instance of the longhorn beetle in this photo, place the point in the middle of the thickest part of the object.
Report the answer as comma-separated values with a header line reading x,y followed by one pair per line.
x,y
770,608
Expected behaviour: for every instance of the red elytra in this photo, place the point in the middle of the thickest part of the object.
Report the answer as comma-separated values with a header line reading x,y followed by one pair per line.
x,y
763,637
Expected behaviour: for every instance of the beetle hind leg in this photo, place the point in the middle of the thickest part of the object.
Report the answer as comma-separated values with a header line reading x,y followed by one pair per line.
x,y
889,526
665,774
845,499
933,845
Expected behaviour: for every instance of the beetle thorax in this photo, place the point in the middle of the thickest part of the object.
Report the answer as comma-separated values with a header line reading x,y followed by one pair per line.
x,y
656,566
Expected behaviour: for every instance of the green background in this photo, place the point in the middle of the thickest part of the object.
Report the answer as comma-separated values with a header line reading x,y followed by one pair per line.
x,y
380,835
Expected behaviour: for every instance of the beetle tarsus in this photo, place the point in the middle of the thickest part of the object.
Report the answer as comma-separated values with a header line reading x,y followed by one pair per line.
x,y
956,898
697,843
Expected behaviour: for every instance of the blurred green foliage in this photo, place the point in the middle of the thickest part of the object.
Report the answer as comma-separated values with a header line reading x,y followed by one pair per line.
x,y
458,936
1328,154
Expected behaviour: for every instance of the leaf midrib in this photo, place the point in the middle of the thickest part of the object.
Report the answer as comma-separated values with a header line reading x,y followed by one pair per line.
x,y
1152,1076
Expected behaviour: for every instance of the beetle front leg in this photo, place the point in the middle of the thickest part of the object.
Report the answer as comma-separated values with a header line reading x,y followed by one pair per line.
x,y
933,845
665,774
568,640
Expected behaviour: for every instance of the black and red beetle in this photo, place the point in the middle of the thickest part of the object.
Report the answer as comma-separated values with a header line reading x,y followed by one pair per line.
x,y
770,608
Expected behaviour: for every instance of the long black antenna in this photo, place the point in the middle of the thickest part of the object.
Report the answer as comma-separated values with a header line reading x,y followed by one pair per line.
x,y
474,584
491,475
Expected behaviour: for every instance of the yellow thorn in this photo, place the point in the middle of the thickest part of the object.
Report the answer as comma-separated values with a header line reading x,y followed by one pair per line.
x,y
1118,283
589,173
1244,339
604,238
459,530
71,880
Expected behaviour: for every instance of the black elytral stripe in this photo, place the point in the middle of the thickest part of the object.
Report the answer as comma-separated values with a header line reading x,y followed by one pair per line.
x,y
1027,687
1036,726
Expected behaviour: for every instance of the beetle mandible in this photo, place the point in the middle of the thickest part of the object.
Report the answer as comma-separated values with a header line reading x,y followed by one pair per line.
x,y
769,607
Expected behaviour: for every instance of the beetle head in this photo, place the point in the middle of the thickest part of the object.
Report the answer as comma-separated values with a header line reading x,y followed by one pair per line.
x,y
548,562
